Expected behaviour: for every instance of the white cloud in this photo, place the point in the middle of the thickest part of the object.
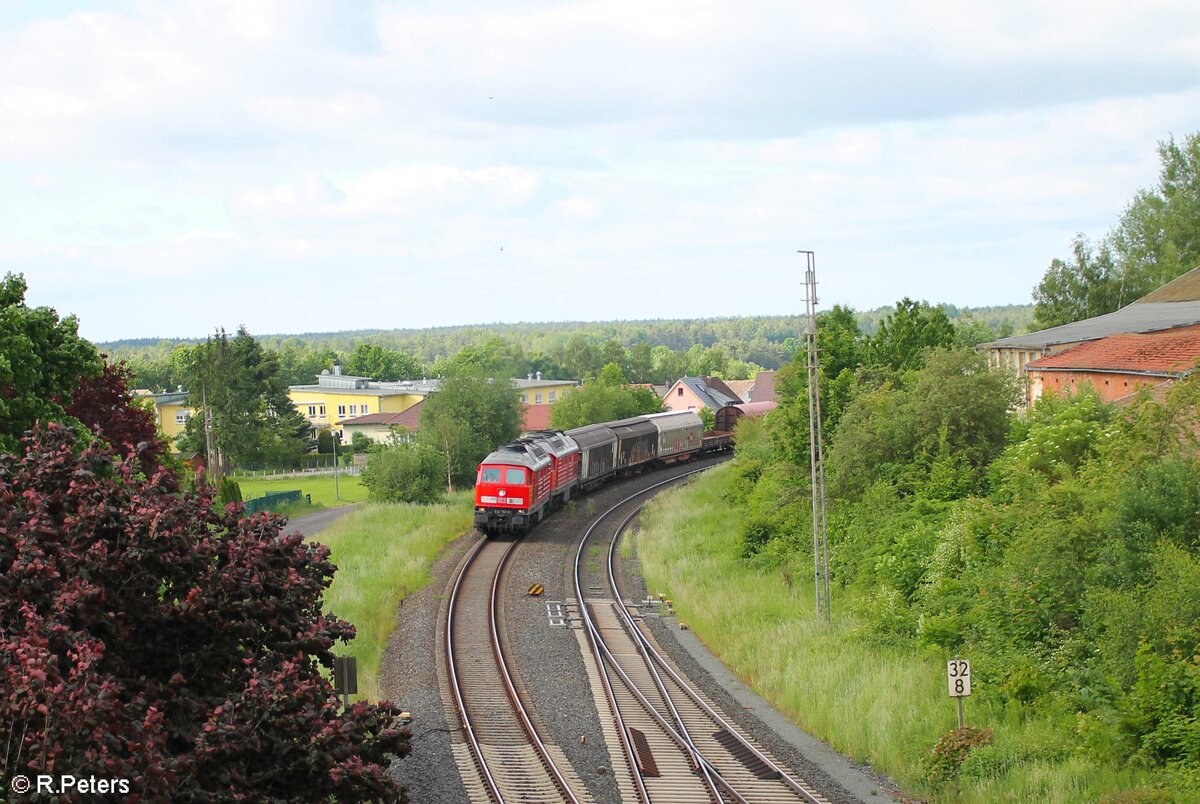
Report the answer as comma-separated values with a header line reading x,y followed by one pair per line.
x,y
232,152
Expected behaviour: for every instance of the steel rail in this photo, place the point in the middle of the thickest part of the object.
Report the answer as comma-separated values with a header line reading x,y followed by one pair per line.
x,y
522,713
469,727
601,652
647,649
456,684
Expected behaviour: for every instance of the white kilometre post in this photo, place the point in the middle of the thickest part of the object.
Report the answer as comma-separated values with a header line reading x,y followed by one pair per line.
x,y
958,678
816,447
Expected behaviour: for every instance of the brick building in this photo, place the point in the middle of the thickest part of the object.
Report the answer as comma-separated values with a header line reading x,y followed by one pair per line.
x,y
1118,365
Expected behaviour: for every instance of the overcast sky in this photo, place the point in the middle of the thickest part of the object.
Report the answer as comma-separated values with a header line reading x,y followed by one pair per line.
x,y
167,168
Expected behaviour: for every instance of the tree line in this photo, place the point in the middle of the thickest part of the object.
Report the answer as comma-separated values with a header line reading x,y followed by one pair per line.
x,y
656,352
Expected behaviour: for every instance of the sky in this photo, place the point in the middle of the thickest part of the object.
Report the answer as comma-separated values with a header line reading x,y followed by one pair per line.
x,y
293,166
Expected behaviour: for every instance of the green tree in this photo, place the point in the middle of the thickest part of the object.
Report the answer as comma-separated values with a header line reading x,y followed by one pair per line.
x,y
1158,236
934,432
612,376
641,362
606,399
1156,240
42,359
907,332
385,365
580,357
1088,285
251,419
300,366
494,357
841,349
613,351
409,473
470,415
669,365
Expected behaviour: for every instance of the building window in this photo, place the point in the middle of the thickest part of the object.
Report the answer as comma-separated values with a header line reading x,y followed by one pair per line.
x,y
525,399
354,410
681,393
312,411
553,395
537,398
364,410
341,410
322,411
691,407
181,416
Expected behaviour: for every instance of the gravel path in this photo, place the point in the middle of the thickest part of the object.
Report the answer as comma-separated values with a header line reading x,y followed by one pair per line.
x,y
310,524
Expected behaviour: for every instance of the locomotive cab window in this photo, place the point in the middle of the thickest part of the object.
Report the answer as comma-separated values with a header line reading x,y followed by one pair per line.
x,y
514,476
489,476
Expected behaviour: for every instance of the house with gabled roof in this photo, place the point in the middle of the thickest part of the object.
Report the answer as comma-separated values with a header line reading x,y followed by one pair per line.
x,y
379,427
695,393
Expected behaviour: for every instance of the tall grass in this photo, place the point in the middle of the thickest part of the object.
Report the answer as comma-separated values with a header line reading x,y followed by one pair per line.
x,y
383,553
882,705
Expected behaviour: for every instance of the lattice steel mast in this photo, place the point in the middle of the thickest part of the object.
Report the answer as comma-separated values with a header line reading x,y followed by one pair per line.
x,y
816,447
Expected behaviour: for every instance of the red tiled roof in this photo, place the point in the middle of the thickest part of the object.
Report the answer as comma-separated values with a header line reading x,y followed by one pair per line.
x,y
740,388
1165,353
535,417
764,387
409,419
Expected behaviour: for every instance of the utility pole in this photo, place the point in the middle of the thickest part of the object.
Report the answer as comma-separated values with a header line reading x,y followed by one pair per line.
x,y
336,491
816,447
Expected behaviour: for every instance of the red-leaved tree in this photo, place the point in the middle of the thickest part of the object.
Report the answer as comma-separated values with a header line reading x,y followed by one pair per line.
x,y
146,636
105,404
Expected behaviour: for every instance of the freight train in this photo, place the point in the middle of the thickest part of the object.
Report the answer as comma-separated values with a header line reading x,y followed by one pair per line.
x,y
519,483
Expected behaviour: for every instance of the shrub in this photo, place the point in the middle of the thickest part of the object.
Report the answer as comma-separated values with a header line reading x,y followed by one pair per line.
x,y
953,749
228,491
404,473
150,635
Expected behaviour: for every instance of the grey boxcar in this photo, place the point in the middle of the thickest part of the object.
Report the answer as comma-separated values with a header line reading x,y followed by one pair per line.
x,y
598,448
678,433
637,441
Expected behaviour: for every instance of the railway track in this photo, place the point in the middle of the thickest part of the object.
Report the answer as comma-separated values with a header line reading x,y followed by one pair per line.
x,y
678,747
511,761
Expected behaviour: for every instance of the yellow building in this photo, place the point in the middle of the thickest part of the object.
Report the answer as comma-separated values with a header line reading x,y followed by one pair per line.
x,y
536,391
171,412
336,397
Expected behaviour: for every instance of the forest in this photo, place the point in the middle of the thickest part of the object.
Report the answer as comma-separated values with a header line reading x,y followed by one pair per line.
x,y
646,351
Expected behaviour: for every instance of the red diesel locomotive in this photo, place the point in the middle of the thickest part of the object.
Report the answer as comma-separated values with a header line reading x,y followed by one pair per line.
x,y
519,483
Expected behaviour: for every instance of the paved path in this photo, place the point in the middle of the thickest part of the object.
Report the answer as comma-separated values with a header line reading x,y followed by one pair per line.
x,y
312,523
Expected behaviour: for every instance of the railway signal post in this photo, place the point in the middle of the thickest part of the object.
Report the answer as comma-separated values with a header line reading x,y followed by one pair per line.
x,y
816,449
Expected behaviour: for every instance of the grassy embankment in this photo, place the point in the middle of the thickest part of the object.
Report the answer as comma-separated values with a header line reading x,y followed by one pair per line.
x,y
383,553
882,705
